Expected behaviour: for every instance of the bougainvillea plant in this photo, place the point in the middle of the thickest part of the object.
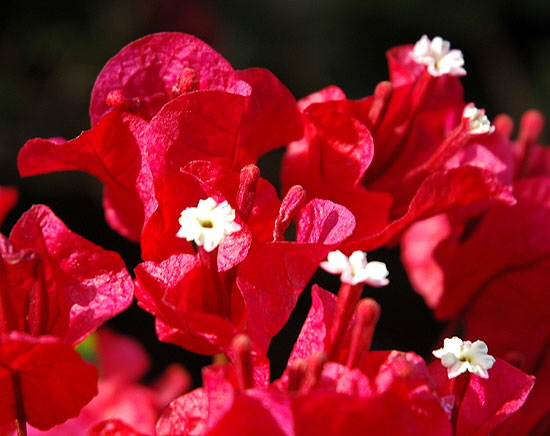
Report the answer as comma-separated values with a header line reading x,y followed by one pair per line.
x,y
175,137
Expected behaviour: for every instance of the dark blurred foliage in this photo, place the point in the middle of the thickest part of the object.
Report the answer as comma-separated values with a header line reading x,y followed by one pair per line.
x,y
52,51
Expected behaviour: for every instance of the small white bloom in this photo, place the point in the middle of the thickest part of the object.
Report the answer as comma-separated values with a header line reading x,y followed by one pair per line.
x,y
355,269
438,57
208,223
460,356
479,123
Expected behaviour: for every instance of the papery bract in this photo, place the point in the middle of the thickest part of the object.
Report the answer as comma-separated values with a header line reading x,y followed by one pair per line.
x,y
403,154
35,371
207,298
113,152
486,402
122,362
230,117
488,269
154,69
390,393
113,427
55,282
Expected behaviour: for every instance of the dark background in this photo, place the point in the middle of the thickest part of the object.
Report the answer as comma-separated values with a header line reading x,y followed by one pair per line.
x,y
51,52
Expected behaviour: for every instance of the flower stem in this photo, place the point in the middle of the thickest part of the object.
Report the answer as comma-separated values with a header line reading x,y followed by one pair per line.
x,y
348,297
458,389
219,303
20,416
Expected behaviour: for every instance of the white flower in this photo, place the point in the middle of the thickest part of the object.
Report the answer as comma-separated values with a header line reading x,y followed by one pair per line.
x,y
355,269
208,223
479,123
438,57
460,356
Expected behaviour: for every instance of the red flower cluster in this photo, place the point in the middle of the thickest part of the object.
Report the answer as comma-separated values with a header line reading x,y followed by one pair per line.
x,y
55,289
175,138
489,270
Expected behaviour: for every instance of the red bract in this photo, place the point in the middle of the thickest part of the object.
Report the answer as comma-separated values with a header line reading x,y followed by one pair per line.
x,y
177,189
190,105
532,418
404,153
491,273
252,280
122,362
8,198
113,427
54,282
380,393
485,403
389,393
42,380
112,152
395,399
150,71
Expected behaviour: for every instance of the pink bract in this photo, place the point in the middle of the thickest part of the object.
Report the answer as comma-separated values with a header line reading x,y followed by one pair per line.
x,y
56,282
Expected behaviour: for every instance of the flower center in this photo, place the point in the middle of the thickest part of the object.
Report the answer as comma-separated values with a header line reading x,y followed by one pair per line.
x,y
459,356
356,269
438,57
478,123
208,223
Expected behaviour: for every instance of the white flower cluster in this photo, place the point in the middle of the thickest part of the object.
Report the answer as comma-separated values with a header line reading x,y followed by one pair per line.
x,y
459,356
438,57
355,269
479,123
208,223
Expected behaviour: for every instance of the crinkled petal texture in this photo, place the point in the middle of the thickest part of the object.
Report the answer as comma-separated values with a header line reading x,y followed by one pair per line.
x,y
392,397
486,402
495,273
113,427
274,274
146,72
230,129
178,190
8,198
330,160
263,287
226,116
391,394
47,377
184,301
56,282
398,156
492,272
222,411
